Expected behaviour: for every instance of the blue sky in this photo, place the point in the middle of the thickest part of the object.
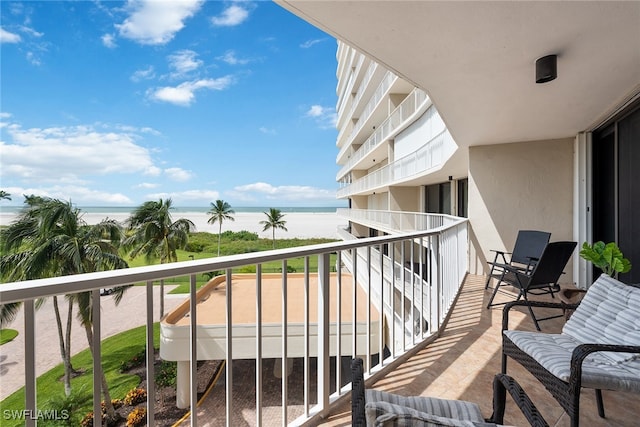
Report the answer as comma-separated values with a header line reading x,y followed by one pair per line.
x,y
115,103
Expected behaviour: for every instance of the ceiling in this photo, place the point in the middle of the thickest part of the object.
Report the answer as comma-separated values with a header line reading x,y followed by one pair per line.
x,y
476,59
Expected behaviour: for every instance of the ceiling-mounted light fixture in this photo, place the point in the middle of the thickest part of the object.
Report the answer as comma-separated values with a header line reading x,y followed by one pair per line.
x,y
546,68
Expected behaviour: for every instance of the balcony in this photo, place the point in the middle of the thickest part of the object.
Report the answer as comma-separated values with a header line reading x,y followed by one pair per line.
x,y
412,279
413,106
461,363
396,221
430,157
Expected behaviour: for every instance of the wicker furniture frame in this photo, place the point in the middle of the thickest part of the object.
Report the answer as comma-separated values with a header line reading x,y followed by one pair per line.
x,y
501,385
566,393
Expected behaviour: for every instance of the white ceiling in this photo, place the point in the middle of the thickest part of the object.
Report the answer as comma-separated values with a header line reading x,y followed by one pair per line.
x,y
476,59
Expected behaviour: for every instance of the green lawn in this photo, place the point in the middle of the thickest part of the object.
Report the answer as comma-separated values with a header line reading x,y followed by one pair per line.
x,y
205,245
7,335
50,389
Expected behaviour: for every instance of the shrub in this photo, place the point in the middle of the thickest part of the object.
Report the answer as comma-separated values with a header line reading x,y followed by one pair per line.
x,y
166,376
66,408
240,235
87,420
137,417
134,362
135,396
247,269
195,247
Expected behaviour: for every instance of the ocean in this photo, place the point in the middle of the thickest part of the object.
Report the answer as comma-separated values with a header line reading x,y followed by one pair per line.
x,y
189,209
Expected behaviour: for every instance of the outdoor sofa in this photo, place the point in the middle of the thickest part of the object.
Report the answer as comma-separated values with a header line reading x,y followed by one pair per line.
x,y
598,347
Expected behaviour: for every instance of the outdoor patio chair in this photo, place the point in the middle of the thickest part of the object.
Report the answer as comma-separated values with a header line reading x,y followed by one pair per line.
x,y
528,247
378,408
598,348
541,278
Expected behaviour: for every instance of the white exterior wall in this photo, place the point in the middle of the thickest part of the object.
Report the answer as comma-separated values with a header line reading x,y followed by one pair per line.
x,y
418,133
519,186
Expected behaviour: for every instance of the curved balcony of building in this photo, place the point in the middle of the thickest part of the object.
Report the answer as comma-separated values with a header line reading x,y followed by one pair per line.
x,y
431,156
347,95
405,114
370,84
368,106
394,222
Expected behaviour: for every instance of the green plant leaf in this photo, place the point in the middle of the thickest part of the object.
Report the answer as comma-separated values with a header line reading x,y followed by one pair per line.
x,y
607,257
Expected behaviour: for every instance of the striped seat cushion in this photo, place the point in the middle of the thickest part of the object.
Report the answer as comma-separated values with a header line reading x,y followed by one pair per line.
x,y
553,352
385,414
455,409
608,314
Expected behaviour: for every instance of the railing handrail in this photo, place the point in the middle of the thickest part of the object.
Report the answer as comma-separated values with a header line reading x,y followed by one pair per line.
x,y
40,288
415,103
383,176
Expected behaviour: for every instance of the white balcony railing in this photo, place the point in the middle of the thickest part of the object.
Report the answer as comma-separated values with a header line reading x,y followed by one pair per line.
x,y
409,109
421,162
412,282
397,221
385,85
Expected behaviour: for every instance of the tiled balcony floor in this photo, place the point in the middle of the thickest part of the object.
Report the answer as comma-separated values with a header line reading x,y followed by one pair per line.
x,y
461,364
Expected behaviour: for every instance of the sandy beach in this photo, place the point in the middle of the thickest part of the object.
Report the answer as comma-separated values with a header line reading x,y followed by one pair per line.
x,y
299,224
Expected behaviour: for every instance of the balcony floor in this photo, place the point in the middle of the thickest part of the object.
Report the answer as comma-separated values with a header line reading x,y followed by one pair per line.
x,y
461,364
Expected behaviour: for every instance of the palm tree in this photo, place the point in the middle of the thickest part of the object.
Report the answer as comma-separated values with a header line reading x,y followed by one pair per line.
x,y
48,239
155,235
220,211
273,221
4,195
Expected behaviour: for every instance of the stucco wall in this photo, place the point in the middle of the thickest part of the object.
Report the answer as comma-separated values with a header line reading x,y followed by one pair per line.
x,y
405,199
519,186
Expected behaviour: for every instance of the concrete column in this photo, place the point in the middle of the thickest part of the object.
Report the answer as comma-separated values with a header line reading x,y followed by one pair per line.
x,y
183,394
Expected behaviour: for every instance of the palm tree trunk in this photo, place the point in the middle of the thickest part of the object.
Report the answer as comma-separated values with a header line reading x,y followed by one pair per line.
x,y
110,411
63,348
219,236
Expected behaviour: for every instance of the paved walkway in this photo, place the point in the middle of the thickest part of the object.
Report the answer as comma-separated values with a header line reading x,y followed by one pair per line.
x,y
129,314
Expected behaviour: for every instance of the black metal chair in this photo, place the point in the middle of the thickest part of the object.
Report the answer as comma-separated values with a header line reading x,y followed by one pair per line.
x,y
502,384
528,247
541,278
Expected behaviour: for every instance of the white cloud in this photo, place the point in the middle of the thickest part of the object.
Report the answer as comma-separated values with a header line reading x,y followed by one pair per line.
x,y
187,195
108,40
178,174
184,93
152,171
156,22
79,195
315,111
146,185
183,62
7,37
144,74
231,16
325,117
30,31
268,131
33,58
66,154
287,193
230,58
309,43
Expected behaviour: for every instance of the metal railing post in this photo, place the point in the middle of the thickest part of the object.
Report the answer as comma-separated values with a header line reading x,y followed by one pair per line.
x,y
323,332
